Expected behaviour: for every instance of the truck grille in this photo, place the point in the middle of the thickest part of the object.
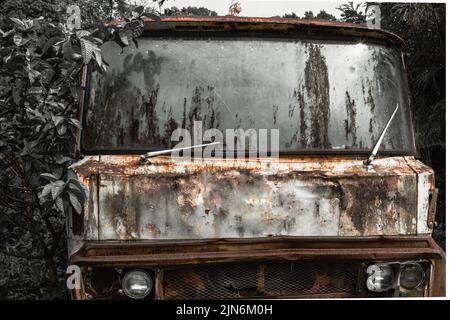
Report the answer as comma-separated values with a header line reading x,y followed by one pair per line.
x,y
236,281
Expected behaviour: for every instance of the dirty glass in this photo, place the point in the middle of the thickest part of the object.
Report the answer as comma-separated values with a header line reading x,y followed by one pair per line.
x,y
321,95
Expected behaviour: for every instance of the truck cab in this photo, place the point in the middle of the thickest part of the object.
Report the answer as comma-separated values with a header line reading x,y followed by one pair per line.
x,y
311,219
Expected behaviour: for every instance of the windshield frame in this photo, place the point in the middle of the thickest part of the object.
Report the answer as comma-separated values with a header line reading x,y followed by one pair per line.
x,y
192,35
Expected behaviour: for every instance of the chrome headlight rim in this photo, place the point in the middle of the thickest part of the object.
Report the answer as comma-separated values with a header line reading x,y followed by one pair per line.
x,y
403,267
371,272
148,279
398,268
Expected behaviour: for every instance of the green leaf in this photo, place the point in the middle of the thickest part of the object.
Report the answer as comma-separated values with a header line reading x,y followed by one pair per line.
x,y
67,50
137,27
45,192
19,23
138,11
57,172
50,43
77,57
29,23
61,159
97,40
75,123
48,176
78,192
82,33
57,120
17,91
123,37
80,186
62,129
87,49
98,58
33,75
7,33
59,204
75,203
57,188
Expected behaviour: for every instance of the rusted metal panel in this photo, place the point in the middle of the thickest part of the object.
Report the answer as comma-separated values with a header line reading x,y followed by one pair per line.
x,y
295,196
425,186
227,23
438,275
183,252
432,208
163,255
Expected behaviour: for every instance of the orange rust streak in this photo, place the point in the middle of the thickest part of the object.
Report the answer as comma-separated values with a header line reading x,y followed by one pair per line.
x,y
259,20
268,24
304,165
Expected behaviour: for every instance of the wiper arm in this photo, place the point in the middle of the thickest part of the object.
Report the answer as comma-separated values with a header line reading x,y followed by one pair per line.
x,y
152,154
369,160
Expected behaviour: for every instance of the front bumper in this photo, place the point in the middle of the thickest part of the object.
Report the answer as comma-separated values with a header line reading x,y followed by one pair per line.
x,y
274,267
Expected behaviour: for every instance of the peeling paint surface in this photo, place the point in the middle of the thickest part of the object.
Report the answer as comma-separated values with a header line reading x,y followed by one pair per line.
x,y
425,185
296,196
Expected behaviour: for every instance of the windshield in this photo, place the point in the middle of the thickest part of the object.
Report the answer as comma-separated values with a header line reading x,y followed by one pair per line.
x,y
321,95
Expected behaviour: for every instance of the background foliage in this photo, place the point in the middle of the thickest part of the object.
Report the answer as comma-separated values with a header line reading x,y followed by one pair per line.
x,y
40,64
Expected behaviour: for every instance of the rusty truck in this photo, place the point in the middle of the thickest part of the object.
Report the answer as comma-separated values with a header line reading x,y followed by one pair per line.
x,y
317,221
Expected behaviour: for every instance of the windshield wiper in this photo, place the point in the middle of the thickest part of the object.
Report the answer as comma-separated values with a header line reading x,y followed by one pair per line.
x,y
152,154
368,161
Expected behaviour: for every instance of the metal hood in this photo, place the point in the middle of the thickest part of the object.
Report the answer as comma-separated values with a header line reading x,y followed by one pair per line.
x,y
295,196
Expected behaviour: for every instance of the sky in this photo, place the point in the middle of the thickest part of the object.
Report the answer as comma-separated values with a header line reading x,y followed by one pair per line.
x,y
260,8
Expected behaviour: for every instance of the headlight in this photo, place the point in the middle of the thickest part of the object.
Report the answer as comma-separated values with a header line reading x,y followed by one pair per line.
x,y
411,275
137,284
407,278
380,277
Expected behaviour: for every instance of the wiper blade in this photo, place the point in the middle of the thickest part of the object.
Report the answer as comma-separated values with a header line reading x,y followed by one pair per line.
x,y
372,156
152,154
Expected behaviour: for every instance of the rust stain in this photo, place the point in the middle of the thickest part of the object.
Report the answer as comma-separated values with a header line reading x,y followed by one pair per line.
x,y
275,113
153,230
227,23
391,199
370,101
171,255
301,135
350,122
150,124
252,198
186,264
318,102
372,122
